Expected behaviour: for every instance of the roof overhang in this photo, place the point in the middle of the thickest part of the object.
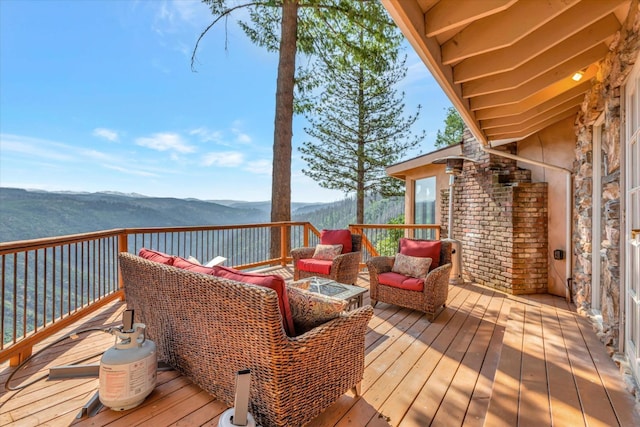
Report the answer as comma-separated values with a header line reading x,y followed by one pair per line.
x,y
507,65
402,169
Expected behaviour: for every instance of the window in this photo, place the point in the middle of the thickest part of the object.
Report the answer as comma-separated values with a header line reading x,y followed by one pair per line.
x,y
425,205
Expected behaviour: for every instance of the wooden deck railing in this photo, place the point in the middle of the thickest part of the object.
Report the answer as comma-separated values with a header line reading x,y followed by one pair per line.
x,y
382,239
50,283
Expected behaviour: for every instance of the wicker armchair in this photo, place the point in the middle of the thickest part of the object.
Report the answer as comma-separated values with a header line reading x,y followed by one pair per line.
x,y
208,328
344,269
433,297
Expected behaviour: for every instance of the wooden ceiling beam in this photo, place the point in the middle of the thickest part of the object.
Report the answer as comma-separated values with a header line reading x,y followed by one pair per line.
x,y
510,88
567,24
449,14
555,81
526,132
409,16
502,29
543,110
573,46
516,127
534,105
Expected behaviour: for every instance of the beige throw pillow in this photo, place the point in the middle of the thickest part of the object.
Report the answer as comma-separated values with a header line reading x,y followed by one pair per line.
x,y
327,252
411,265
310,309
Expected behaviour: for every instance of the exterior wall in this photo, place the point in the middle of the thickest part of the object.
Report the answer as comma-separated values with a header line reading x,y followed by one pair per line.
x,y
426,171
500,217
604,97
554,145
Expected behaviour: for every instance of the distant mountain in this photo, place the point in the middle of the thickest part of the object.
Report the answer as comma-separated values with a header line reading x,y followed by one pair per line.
x,y
35,214
26,214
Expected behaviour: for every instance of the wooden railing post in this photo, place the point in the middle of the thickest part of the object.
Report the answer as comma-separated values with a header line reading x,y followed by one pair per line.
x,y
305,235
123,246
284,243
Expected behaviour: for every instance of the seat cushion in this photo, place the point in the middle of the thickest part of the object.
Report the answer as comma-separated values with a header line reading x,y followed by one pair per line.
x,y
156,256
311,265
422,249
337,237
271,281
400,281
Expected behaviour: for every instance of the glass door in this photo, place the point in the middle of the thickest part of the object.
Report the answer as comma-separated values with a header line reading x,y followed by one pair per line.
x,y
632,226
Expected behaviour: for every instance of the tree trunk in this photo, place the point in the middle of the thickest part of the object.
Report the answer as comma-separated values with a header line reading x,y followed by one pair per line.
x,y
283,126
361,151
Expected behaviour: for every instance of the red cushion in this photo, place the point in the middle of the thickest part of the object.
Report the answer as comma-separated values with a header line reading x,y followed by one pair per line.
x,y
271,281
156,256
322,266
192,266
337,237
423,249
400,281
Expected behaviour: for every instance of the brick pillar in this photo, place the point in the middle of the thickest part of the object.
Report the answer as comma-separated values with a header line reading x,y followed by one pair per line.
x,y
500,217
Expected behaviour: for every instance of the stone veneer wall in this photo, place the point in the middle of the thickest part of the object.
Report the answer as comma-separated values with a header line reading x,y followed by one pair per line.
x,y
604,97
500,217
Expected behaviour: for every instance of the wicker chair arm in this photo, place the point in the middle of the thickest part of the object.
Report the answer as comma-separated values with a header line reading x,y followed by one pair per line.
x,y
349,323
302,253
436,283
380,264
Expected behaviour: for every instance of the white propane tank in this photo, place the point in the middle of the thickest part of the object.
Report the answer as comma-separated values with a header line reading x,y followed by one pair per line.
x,y
128,370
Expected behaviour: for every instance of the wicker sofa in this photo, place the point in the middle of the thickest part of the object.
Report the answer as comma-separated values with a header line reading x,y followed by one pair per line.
x,y
431,299
208,328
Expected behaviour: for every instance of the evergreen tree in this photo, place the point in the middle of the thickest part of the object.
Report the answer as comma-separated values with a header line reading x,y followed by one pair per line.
x,y
286,26
453,129
356,117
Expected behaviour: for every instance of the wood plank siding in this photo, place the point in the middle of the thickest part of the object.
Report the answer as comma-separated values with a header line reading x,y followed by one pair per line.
x,y
488,359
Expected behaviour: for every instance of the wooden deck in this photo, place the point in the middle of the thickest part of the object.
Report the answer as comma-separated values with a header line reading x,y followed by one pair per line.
x,y
488,359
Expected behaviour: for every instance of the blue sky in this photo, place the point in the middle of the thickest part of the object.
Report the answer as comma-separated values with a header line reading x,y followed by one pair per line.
x,y
99,95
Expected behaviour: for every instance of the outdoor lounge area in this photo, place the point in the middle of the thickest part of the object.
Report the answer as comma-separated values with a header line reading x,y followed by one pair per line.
x,y
488,359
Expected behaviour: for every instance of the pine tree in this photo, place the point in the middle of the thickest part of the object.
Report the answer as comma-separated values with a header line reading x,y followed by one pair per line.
x,y
289,26
453,129
356,117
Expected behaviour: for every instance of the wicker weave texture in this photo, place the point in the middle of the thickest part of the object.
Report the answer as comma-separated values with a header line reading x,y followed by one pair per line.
x,y
433,297
344,269
208,328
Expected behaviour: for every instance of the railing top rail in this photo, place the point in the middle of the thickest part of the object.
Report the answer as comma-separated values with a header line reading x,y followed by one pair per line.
x,y
46,242
405,226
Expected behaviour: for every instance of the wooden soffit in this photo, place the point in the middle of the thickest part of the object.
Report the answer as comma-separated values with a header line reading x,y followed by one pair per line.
x,y
507,65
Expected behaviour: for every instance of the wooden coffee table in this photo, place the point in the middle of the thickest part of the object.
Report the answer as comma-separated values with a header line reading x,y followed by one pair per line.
x,y
352,294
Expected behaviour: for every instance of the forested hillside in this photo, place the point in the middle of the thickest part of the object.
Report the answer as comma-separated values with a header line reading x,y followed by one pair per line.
x,y
35,214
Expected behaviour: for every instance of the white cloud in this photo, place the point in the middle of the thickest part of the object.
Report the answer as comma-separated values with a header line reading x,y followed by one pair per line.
x,y
261,167
243,138
223,159
206,135
108,134
131,171
173,14
37,147
166,142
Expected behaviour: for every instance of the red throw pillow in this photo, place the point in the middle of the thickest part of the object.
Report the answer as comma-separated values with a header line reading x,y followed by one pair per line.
x,y
156,256
271,281
423,249
337,237
192,266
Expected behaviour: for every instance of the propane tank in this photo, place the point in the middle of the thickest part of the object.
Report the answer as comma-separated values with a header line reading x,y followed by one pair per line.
x,y
128,369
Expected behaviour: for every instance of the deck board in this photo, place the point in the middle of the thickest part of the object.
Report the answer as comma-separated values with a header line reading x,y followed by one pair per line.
x,y
487,359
